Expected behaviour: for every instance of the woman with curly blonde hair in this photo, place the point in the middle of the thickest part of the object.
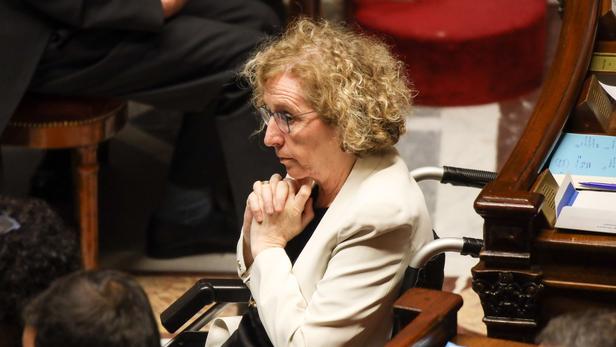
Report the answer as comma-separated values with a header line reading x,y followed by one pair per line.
x,y
324,250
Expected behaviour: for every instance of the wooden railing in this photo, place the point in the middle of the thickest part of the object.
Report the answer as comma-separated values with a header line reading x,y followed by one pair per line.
x,y
507,202
512,280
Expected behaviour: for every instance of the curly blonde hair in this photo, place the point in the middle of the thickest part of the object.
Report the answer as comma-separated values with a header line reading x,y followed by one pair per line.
x,y
351,80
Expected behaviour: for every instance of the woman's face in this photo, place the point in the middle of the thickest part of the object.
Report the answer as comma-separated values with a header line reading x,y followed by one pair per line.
x,y
312,148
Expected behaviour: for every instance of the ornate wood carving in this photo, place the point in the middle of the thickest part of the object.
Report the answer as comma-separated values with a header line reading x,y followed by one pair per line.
x,y
509,294
508,271
510,301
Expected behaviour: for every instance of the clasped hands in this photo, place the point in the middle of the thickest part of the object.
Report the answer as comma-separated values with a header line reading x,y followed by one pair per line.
x,y
276,211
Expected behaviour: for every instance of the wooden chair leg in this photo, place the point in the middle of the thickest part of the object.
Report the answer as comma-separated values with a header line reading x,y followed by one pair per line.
x,y
86,183
1,171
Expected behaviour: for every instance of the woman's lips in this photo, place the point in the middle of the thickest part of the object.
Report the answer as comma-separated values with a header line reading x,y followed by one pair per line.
x,y
285,161
282,158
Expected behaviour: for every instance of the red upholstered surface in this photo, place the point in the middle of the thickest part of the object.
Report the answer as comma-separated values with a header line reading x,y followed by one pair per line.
x,y
462,52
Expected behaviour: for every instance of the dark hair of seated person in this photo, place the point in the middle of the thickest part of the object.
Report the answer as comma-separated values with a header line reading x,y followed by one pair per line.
x,y
36,247
94,309
587,328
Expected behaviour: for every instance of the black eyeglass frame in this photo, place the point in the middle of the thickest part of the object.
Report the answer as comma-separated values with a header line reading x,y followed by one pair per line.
x,y
280,118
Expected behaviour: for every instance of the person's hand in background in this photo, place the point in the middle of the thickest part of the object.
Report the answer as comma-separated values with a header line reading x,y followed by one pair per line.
x,y
172,7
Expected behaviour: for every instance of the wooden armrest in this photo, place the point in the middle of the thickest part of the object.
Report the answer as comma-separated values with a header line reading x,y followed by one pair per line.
x,y
432,317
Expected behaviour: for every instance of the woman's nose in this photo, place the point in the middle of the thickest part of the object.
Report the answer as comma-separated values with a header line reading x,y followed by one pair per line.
x,y
273,135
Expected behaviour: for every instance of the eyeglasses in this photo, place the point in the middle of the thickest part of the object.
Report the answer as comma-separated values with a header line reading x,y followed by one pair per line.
x,y
284,120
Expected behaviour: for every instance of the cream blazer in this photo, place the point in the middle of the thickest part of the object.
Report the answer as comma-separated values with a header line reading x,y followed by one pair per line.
x,y
341,289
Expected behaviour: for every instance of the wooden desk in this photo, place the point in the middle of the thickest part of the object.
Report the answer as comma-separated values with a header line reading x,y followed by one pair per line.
x,y
429,318
529,273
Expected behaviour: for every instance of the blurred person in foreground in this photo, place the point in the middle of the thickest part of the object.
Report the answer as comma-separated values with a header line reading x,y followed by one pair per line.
x,y
589,328
324,249
36,247
91,309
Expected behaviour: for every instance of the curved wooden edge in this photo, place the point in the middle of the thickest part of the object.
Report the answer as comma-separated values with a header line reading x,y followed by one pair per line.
x,y
558,96
59,110
70,135
434,312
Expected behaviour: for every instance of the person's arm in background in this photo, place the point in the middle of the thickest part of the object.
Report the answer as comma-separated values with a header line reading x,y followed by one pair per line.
x,y
145,15
172,7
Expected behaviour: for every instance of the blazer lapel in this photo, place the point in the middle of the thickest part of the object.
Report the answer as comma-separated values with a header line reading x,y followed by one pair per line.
x,y
312,261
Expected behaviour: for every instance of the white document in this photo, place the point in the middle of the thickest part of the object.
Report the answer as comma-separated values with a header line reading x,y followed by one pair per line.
x,y
597,200
611,90
576,179
585,209
586,157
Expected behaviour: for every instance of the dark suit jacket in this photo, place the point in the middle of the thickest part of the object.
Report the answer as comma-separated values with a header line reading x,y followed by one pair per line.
x,y
26,27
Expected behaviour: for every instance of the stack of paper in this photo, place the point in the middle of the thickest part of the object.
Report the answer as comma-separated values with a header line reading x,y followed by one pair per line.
x,y
589,210
587,158
585,167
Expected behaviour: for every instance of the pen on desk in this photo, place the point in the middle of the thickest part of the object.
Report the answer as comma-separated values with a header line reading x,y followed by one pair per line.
x,y
599,185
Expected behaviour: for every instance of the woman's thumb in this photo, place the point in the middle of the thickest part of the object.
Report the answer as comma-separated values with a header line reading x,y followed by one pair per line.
x,y
308,213
302,196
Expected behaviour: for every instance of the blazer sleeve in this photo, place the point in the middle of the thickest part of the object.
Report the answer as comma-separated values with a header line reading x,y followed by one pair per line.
x,y
354,295
145,15
242,270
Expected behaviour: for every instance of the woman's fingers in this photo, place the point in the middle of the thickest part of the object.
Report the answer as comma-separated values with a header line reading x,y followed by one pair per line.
x,y
281,194
274,180
268,193
305,181
302,196
264,192
271,198
291,185
254,205
256,187
268,197
308,213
